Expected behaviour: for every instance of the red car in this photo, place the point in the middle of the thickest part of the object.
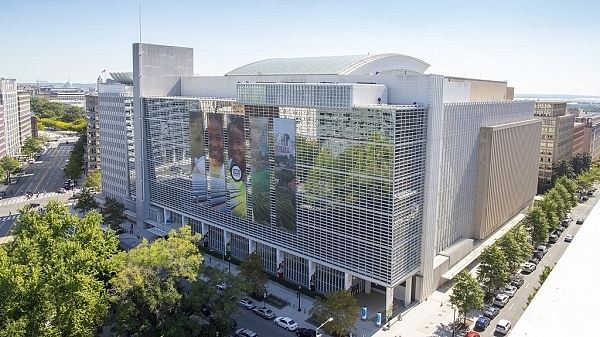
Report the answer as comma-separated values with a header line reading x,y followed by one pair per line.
x,y
472,334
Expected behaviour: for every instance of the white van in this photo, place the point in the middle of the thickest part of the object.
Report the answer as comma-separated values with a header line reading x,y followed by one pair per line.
x,y
503,326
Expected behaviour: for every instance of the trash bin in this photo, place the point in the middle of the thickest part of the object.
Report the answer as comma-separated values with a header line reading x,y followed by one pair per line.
x,y
364,313
378,319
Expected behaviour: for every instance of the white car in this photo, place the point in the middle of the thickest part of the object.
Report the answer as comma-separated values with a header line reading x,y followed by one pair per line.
x,y
528,267
510,290
569,238
503,326
246,304
501,300
286,323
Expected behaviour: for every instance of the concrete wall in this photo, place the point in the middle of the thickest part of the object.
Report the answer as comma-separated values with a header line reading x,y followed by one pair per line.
x,y
506,175
484,90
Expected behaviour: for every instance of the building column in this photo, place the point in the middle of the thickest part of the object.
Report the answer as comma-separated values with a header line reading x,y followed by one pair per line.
x,y
407,291
166,217
227,243
389,303
367,287
184,220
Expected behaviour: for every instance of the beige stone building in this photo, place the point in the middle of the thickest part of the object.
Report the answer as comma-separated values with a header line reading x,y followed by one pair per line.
x,y
557,135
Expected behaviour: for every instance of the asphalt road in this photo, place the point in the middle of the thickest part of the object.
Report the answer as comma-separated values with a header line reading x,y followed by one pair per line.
x,y
263,327
43,178
516,306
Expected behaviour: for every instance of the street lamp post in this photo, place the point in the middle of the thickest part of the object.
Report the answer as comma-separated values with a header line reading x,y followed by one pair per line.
x,y
229,262
454,321
320,326
298,293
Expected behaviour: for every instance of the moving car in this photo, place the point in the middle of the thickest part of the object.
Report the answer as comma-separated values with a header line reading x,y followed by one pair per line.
x,y
569,238
246,304
491,312
305,332
503,326
579,221
482,323
510,290
245,333
501,300
264,313
529,267
286,323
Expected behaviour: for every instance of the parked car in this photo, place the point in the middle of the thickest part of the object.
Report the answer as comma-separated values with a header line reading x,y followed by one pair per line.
x,y
305,332
579,221
517,281
503,326
491,312
286,323
472,334
482,323
246,304
61,190
510,290
501,300
34,205
245,333
553,238
529,267
542,249
569,238
264,313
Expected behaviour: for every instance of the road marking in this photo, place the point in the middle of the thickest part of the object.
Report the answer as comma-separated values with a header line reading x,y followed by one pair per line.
x,y
527,285
511,306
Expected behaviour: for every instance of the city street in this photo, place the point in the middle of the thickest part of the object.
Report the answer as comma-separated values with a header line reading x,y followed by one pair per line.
x,y
43,178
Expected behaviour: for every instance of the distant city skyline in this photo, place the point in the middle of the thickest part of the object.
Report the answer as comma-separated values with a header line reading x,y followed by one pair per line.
x,y
538,47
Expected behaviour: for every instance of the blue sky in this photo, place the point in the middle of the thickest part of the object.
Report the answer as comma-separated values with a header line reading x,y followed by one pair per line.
x,y
538,46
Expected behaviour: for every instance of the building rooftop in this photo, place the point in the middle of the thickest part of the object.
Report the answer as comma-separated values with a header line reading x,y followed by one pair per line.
x,y
335,65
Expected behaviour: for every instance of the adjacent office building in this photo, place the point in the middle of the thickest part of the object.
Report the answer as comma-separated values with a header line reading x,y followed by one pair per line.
x,y
348,172
15,119
92,132
115,138
557,135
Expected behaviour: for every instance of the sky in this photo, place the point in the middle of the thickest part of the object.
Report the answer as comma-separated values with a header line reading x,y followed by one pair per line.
x,y
537,46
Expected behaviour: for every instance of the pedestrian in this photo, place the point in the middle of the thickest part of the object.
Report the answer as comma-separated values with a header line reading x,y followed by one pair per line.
x,y
9,212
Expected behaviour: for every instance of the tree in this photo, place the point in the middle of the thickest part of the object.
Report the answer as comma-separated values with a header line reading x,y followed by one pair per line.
x,y
86,201
339,305
53,275
146,292
493,269
581,162
222,303
519,234
113,213
93,180
466,295
10,165
537,225
512,251
552,205
567,190
562,168
252,271
31,146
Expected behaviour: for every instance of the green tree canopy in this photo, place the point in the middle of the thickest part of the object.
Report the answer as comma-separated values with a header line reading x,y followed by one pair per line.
x,y
493,269
536,223
31,146
53,275
339,305
466,295
113,213
9,165
147,293
93,180
512,251
86,201
252,271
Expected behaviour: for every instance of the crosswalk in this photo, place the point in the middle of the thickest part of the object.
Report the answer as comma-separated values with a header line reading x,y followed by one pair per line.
x,y
23,198
10,217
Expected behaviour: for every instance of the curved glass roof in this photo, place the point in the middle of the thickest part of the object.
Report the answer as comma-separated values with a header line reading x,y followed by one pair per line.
x,y
333,65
